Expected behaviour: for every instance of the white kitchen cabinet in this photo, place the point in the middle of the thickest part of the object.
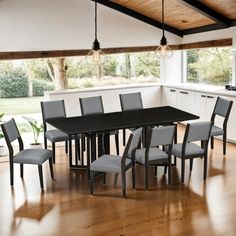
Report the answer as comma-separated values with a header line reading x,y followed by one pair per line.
x,y
204,105
186,101
169,97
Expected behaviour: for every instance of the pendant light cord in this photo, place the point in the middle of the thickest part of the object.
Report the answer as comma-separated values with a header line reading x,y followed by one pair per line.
x,y
95,19
163,23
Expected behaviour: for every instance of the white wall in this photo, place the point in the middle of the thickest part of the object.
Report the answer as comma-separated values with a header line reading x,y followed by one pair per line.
x,y
211,35
69,24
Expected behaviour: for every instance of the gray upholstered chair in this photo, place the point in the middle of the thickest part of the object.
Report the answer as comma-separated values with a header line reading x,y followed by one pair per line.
x,y
94,106
129,102
222,108
24,156
117,164
53,109
199,131
152,155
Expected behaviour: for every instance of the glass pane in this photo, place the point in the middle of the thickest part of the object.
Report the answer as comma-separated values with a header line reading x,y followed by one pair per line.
x,y
210,66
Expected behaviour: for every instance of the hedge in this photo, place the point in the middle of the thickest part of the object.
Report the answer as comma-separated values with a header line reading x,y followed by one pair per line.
x,y
13,84
39,86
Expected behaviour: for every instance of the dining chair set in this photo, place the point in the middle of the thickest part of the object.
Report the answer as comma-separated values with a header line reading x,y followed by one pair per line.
x,y
159,148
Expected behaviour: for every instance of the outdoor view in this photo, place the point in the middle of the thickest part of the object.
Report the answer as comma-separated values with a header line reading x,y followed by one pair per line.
x,y
23,82
210,66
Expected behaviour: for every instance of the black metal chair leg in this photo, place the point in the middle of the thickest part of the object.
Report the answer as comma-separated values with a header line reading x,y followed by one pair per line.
x,y
146,176
78,147
124,137
21,171
212,142
191,163
165,169
205,167
11,173
91,182
104,178
123,183
182,170
224,143
54,152
169,171
66,147
117,143
51,167
156,170
133,175
40,175
45,143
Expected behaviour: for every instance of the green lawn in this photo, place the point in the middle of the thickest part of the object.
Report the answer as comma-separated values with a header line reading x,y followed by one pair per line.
x,y
13,106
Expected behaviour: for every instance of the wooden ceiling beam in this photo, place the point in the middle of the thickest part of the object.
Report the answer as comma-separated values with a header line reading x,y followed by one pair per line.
x,y
208,12
139,16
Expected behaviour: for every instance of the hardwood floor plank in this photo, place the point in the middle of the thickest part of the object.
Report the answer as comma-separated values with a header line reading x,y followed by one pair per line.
x,y
67,208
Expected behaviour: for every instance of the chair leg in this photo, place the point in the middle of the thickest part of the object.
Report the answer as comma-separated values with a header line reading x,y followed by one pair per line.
x,y
45,143
78,147
104,178
156,170
182,170
169,172
133,175
54,153
51,167
83,143
191,164
212,142
11,173
123,183
205,167
124,137
117,144
40,175
224,143
21,171
146,176
66,147
165,169
91,181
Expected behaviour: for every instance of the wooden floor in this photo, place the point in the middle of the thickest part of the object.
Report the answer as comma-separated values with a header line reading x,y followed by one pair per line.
x,y
66,207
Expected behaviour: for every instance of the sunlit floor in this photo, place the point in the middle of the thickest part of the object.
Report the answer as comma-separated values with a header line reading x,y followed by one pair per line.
x,y
66,207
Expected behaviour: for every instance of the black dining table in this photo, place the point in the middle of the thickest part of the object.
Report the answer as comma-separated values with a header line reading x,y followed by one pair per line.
x,y
98,126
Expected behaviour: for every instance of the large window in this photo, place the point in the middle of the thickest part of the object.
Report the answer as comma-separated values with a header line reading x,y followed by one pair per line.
x,y
210,66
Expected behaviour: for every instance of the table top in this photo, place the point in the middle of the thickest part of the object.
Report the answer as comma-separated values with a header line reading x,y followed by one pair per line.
x,y
120,120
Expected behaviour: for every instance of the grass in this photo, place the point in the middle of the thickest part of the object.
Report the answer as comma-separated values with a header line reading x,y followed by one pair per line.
x,y
14,106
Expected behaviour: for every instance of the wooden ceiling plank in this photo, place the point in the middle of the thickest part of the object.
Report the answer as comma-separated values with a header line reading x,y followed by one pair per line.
x,y
139,16
207,11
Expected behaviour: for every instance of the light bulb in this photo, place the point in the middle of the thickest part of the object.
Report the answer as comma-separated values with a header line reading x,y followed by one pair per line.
x,y
96,57
164,51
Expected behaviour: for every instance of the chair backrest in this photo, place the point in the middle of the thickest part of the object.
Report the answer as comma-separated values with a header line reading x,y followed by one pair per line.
x,y
161,136
91,106
199,131
52,109
11,133
222,108
132,143
131,101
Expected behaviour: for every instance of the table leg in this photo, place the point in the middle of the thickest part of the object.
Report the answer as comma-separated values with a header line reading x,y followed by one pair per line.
x,y
70,151
100,145
88,156
93,147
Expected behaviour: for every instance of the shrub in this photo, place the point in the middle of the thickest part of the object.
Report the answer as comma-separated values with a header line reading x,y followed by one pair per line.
x,y
13,84
39,86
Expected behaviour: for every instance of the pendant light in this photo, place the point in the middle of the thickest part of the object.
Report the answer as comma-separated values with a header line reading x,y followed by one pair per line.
x,y
163,51
96,55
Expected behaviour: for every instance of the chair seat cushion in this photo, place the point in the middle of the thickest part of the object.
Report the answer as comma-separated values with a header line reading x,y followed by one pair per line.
x,y
191,149
108,163
56,136
32,156
155,155
215,131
